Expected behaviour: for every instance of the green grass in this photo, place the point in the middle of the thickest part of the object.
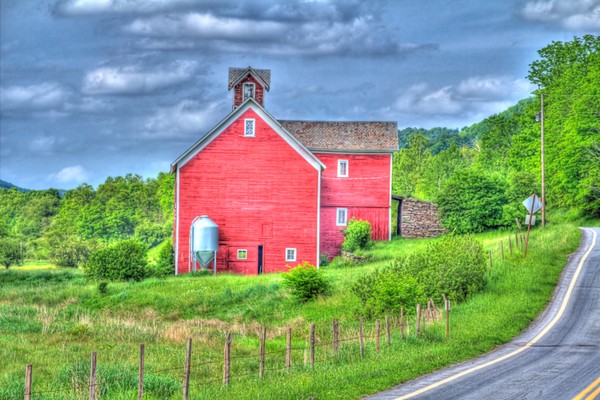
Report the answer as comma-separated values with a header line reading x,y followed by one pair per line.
x,y
53,319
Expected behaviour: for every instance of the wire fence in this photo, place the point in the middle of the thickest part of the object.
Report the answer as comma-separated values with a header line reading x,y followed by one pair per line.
x,y
335,343
349,348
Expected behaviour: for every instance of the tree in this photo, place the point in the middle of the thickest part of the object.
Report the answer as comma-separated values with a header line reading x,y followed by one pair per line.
x,y
409,165
10,252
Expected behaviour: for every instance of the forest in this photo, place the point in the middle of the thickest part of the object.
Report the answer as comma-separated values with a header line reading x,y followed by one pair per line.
x,y
478,175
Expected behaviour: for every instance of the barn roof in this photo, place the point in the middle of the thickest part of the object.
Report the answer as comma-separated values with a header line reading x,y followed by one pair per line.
x,y
237,74
345,136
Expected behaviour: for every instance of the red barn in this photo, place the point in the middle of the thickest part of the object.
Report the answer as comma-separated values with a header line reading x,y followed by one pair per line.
x,y
280,191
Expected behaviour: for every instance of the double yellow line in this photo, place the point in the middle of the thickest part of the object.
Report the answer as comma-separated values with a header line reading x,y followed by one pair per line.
x,y
593,395
550,325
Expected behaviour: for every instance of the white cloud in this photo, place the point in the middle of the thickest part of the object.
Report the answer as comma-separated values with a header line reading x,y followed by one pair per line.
x,y
44,96
133,80
580,15
206,26
182,119
83,7
72,174
472,99
359,36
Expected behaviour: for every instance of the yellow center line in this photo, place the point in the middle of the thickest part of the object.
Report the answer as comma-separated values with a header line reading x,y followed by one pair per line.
x,y
526,346
587,390
593,395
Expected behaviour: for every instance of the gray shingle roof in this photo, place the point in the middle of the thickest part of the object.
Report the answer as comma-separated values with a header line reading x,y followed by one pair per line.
x,y
345,136
235,74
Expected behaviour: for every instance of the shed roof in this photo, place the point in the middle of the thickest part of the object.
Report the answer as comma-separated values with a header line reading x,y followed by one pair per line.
x,y
345,136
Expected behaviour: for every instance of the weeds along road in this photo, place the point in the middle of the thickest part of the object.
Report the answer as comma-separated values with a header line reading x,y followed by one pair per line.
x,y
557,357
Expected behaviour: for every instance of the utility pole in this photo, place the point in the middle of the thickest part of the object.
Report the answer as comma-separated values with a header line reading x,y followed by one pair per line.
x,y
543,163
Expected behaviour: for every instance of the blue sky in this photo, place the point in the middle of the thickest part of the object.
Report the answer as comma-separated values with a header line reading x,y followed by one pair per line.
x,y
94,88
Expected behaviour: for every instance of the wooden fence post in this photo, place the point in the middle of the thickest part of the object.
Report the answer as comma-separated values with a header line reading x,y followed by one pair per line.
x,y
361,337
516,239
418,326
447,307
93,377
186,371
141,374
227,359
28,379
288,350
510,245
522,244
335,336
387,330
402,322
491,262
312,344
377,331
262,339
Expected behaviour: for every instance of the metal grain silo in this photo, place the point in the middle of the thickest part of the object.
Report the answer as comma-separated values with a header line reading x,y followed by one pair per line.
x,y
204,243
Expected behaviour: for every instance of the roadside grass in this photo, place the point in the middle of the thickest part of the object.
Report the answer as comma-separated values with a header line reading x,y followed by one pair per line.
x,y
54,319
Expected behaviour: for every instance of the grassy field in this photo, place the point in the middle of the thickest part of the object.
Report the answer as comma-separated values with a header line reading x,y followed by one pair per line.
x,y
54,318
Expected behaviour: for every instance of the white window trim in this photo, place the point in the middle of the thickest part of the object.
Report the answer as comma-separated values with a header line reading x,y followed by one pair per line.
x,y
253,127
244,91
337,214
238,254
339,174
286,254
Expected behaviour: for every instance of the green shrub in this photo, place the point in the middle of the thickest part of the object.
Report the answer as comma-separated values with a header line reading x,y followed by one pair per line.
x,y
10,252
324,260
472,201
126,260
306,282
357,236
165,263
454,266
103,287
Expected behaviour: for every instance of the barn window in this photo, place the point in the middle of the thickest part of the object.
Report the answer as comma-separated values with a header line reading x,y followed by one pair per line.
x,y
342,217
290,254
342,168
242,254
249,127
248,90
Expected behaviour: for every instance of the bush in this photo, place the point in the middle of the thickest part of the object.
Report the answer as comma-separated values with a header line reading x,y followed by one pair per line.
x,y
103,287
165,263
126,260
454,266
306,282
10,252
472,201
357,236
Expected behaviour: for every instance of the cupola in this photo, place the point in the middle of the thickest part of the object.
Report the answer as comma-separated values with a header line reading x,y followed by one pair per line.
x,y
249,82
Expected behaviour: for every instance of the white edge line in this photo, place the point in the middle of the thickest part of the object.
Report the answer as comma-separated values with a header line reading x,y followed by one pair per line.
x,y
525,347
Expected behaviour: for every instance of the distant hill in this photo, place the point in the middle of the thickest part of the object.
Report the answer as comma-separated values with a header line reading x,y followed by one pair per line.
x,y
8,185
442,138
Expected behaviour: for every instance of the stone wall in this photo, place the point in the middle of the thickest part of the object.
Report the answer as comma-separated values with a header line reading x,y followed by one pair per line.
x,y
420,219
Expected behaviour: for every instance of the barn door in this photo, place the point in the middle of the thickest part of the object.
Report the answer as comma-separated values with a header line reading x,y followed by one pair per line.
x,y
260,259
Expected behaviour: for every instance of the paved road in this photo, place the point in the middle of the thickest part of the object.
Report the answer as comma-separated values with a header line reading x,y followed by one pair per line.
x,y
558,357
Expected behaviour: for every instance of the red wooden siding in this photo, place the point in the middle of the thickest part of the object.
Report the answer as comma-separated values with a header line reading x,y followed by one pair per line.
x,y
365,193
258,190
238,91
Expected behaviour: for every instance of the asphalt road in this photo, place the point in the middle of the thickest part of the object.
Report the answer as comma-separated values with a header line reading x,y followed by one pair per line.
x,y
557,357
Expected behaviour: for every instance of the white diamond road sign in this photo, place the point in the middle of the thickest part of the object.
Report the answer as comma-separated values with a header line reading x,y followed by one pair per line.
x,y
533,199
